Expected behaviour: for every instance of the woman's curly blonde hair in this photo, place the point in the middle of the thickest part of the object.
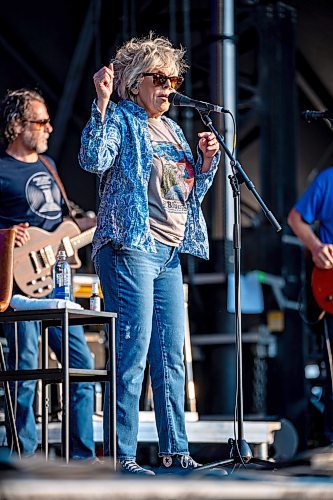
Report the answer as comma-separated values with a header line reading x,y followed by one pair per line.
x,y
140,55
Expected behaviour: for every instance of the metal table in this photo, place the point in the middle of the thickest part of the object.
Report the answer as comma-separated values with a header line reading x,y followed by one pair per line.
x,y
64,375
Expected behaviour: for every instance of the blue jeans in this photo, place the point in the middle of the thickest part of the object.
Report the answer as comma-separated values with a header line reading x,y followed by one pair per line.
x,y
146,291
23,354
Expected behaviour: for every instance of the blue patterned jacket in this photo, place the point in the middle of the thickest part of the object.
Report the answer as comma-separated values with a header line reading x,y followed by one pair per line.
x,y
120,152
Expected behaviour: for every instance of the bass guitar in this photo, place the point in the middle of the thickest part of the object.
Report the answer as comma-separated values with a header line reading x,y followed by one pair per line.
x,y
33,261
322,288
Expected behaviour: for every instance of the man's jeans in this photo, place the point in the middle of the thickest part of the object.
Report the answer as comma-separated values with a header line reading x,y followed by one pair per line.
x,y
23,355
146,291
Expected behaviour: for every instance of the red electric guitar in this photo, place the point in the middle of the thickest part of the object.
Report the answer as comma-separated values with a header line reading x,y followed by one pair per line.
x,y
322,288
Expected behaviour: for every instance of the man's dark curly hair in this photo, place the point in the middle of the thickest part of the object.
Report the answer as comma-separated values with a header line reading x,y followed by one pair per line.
x,y
14,108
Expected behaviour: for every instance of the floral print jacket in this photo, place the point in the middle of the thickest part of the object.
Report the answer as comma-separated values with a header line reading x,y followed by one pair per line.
x,y
120,152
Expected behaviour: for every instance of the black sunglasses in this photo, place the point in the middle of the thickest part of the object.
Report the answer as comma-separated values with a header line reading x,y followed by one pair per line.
x,y
160,80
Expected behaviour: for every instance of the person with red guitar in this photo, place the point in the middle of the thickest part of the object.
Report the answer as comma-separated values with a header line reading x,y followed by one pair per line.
x,y
316,206
30,196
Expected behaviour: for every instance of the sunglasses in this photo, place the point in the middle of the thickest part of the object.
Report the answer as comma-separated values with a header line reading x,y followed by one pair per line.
x,y
40,123
160,80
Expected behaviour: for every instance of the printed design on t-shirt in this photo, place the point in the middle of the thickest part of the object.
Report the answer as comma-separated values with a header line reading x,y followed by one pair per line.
x,y
177,176
43,196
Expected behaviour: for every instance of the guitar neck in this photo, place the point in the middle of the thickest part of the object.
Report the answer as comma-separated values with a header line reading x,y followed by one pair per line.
x,y
83,238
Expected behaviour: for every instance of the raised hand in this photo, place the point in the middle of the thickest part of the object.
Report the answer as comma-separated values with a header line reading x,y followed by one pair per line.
x,y
103,81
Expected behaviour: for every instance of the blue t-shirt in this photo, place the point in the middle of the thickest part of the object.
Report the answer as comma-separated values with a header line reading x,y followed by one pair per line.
x,y
28,193
316,204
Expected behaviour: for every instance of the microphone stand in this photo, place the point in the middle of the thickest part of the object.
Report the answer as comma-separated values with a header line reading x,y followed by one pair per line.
x,y
240,450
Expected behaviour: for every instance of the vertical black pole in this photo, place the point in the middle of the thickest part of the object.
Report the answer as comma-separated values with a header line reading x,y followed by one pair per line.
x,y
113,392
65,392
45,396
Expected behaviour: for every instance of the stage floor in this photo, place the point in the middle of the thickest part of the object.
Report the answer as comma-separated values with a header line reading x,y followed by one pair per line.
x,y
309,478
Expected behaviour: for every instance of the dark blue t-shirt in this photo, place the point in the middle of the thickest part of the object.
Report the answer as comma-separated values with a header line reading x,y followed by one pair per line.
x,y
28,193
316,204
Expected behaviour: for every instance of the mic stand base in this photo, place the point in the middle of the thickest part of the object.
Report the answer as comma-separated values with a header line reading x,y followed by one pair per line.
x,y
240,454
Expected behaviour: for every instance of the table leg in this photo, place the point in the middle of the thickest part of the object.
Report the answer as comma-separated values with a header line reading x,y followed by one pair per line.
x,y
112,393
45,396
11,416
65,385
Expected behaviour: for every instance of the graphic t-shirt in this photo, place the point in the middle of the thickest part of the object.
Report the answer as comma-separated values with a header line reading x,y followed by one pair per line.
x,y
170,183
28,193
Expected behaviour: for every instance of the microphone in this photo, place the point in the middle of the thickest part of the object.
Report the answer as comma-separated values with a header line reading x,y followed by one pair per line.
x,y
309,116
182,100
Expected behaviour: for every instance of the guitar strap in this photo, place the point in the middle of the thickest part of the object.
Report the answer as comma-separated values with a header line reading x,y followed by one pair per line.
x,y
59,184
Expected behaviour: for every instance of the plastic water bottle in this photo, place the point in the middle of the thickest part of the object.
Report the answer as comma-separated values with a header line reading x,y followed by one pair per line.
x,y
62,279
95,300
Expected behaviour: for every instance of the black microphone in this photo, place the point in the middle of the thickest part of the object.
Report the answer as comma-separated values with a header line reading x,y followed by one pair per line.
x,y
309,116
182,100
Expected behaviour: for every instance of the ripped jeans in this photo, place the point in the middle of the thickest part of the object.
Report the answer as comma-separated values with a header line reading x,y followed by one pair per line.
x,y
146,291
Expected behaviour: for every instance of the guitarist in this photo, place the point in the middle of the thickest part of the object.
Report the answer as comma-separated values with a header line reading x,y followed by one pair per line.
x,y
30,196
316,205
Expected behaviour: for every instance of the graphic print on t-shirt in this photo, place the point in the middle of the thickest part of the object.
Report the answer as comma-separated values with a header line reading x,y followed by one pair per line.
x,y
43,196
177,176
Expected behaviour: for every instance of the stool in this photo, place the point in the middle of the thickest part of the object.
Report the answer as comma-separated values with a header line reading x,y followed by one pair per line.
x,y
64,375
10,411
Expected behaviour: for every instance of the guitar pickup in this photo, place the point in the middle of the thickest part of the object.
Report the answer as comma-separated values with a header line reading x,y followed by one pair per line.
x,y
34,261
44,258
68,246
49,253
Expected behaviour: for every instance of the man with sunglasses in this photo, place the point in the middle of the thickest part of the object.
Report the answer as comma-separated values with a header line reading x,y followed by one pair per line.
x,y
151,192
29,196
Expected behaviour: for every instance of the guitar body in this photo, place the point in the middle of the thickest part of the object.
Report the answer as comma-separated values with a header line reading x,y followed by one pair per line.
x,y
33,261
322,288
